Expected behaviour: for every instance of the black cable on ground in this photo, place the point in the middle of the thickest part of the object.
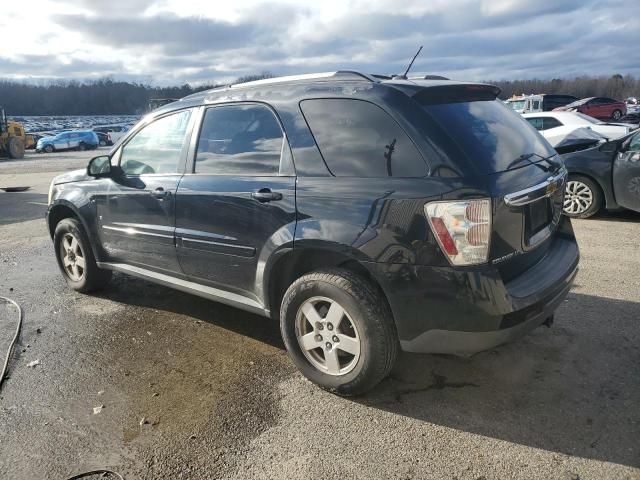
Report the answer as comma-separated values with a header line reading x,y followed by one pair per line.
x,y
4,372
96,472
15,338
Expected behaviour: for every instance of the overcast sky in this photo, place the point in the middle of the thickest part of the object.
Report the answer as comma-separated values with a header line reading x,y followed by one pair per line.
x,y
207,41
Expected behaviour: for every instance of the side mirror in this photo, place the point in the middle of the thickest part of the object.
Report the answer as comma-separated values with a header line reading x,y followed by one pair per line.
x,y
99,166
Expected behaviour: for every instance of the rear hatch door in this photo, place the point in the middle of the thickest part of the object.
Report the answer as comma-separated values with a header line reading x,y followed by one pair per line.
x,y
522,172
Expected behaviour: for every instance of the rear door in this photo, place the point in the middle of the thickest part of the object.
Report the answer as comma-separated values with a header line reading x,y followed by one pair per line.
x,y
136,214
74,140
61,142
626,174
238,202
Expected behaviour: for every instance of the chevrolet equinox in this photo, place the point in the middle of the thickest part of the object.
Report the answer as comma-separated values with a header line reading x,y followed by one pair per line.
x,y
368,214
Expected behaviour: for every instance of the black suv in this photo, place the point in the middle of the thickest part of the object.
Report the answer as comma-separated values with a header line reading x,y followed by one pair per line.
x,y
366,214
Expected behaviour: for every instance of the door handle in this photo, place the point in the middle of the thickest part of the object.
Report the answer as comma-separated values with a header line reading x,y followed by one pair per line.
x,y
266,195
159,193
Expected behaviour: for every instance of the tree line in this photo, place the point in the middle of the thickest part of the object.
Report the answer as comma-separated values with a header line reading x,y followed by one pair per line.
x,y
100,97
616,86
107,96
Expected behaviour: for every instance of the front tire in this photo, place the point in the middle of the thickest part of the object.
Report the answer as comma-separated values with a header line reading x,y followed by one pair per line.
x,y
616,115
339,331
82,147
75,257
48,148
583,197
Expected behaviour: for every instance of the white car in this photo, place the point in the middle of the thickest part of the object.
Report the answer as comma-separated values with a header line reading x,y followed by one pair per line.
x,y
115,132
556,126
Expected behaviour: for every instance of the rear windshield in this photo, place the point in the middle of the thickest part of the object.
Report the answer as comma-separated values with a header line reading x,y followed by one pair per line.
x,y
487,134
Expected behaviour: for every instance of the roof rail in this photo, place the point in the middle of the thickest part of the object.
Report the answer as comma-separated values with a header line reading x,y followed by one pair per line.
x,y
429,77
307,76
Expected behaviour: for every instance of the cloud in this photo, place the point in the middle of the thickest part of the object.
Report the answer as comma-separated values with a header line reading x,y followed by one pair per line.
x,y
170,41
170,34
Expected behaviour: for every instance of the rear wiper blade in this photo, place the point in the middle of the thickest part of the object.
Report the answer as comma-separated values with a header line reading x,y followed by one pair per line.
x,y
526,157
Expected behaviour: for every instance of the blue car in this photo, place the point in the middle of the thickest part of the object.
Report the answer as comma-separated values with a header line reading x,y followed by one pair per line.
x,y
75,140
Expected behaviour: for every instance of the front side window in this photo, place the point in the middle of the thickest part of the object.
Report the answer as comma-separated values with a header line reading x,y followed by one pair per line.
x,y
157,148
359,139
239,140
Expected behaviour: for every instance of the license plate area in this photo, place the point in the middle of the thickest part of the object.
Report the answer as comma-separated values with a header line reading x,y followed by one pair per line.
x,y
538,217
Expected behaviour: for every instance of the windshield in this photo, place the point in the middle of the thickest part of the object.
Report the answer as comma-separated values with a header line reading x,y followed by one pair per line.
x,y
487,134
516,104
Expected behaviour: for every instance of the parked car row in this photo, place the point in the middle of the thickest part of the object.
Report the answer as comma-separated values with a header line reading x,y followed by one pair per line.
x,y
74,140
100,136
603,108
539,103
571,131
601,154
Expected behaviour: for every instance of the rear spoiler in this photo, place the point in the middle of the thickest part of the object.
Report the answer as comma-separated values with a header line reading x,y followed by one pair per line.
x,y
465,92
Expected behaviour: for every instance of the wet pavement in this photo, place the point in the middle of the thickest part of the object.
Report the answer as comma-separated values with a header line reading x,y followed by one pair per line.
x,y
197,390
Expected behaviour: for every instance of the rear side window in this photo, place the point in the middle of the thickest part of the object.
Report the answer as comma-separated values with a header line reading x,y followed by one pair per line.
x,y
239,140
359,139
550,122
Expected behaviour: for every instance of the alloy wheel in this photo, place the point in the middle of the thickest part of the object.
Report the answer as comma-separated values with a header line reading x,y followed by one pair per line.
x,y
578,197
327,336
72,256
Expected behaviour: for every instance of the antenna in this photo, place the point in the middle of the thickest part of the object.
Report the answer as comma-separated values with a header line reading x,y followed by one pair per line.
x,y
412,60
404,75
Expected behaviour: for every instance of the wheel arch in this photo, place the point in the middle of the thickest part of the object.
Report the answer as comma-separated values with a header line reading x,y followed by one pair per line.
x,y
295,263
607,193
62,209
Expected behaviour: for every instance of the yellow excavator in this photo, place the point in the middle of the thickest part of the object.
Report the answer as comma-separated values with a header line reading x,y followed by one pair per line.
x,y
13,138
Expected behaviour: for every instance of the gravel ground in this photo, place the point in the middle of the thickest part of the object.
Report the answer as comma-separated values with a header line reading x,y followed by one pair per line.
x,y
192,389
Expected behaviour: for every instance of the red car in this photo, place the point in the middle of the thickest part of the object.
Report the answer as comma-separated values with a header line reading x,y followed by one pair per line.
x,y
597,107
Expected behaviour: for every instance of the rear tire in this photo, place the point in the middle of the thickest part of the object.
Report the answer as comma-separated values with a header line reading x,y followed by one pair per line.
x,y
82,147
356,343
75,257
16,148
583,197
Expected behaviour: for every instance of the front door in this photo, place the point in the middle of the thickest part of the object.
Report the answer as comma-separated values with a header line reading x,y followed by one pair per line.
x,y
626,174
238,204
136,214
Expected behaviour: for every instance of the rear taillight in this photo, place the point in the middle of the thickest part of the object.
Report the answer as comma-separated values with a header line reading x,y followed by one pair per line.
x,y
462,228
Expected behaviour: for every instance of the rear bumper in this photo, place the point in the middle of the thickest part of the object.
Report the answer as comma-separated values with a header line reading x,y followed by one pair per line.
x,y
446,310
